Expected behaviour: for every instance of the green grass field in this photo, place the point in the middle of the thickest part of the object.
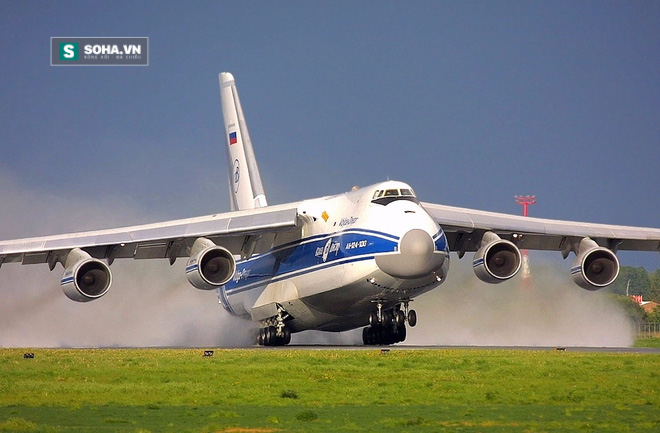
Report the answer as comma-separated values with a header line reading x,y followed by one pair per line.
x,y
648,342
261,390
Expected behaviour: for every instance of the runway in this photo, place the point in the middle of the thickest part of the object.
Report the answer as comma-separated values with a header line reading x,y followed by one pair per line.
x,y
576,349
638,350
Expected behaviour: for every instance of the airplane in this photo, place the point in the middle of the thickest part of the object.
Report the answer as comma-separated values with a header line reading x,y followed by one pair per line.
x,y
334,263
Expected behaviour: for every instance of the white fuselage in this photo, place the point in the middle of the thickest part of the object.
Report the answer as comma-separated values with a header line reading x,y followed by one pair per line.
x,y
330,274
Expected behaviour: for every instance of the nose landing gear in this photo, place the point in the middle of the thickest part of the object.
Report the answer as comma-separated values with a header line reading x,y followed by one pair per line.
x,y
388,326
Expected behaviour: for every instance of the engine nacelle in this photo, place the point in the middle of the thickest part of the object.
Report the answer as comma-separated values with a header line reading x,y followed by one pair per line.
x,y
497,260
210,266
594,267
85,278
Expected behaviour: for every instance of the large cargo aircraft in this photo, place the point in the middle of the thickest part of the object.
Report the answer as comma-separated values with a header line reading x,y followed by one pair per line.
x,y
333,263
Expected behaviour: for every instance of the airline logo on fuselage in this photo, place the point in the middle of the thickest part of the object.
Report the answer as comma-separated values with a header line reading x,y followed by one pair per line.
x,y
241,275
329,248
347,221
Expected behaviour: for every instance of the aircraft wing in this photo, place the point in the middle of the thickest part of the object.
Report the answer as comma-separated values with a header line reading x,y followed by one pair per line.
x,y
235,231
465,227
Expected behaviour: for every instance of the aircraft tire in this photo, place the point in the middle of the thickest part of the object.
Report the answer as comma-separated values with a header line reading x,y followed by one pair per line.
x,y
387,318
400,319
268,337
383,336
401,333
271,336
412,318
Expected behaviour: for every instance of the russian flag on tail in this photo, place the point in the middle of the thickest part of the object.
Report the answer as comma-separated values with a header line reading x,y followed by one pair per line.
x,y
232,138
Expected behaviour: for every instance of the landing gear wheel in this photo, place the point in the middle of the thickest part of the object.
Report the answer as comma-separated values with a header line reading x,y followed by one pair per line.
x,y
400,319
369,336
286,339
268,336
388,326
412,318
387,319
373,318
400,333
271,336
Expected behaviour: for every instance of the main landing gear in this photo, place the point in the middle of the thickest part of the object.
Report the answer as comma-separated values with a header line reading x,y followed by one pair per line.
x,y
275,333
388,326
269,336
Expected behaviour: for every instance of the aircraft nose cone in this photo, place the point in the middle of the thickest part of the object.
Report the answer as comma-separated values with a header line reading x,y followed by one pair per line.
x,y
416,257
416,244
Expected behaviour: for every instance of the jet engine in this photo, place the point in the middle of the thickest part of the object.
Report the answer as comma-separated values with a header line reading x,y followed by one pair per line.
x,y
210,266
496,260
85,278
594,267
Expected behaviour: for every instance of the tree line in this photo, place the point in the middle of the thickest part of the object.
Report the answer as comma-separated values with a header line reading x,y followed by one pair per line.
x,y
638,281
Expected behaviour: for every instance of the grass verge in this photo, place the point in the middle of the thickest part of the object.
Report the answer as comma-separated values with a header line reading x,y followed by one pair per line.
x,y
156,390
653,342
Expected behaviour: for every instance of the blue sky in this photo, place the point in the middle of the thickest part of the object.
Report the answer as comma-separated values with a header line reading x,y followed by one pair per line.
x,y
470,102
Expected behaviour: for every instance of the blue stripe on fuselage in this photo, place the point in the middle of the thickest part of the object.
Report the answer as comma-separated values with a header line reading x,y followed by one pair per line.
x,y
440,241
309,255
313,254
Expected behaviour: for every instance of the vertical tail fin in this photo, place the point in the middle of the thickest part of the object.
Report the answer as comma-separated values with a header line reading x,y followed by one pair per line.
x,y
246,190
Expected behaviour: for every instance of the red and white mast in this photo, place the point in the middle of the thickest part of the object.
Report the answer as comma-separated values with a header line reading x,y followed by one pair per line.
x,y
525,201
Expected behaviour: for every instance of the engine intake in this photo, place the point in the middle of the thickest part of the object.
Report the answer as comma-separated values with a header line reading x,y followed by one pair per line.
x,y
85,278
210,266
594,267
497,260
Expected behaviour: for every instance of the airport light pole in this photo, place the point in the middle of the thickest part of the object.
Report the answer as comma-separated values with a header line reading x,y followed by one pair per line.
x,y
525,201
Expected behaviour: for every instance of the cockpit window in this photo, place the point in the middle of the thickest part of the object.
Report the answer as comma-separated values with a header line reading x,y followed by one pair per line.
x,y
387,196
